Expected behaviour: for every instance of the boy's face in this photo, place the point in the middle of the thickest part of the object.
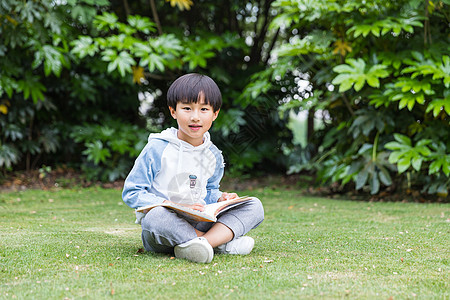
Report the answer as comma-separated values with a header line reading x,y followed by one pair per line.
x,y
194,119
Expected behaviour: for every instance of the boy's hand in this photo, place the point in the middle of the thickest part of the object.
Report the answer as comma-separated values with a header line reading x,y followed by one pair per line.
x,y
227,196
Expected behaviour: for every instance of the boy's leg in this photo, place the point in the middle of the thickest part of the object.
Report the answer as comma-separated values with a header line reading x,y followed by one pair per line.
x,y
218,235
243,218
233,223
163,229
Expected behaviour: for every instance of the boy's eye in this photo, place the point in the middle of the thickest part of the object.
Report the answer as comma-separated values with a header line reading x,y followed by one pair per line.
x,y
205,109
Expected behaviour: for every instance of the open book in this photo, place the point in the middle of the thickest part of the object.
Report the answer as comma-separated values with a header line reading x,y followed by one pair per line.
x,y
208,215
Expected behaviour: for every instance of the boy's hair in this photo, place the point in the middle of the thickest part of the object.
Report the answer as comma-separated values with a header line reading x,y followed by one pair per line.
x,y
189,87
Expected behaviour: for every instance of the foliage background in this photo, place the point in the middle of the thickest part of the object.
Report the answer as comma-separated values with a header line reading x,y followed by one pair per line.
x,y
82,83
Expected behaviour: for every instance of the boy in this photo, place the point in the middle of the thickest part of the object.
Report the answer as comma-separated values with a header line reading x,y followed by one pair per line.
x,y
183,166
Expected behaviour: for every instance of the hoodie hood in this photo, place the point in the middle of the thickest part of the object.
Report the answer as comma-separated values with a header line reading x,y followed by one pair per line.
x,y
170,135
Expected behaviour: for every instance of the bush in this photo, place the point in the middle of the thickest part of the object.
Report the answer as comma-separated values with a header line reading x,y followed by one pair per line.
x,y
109,149
380,72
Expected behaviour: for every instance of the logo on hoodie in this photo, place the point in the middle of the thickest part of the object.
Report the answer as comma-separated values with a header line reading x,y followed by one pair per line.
x,y
195,191
193,181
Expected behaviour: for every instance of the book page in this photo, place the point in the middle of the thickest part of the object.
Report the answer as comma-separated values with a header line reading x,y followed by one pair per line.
x,y
208,215
215,208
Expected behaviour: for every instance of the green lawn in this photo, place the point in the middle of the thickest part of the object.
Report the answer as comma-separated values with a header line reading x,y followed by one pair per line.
x,y
83,244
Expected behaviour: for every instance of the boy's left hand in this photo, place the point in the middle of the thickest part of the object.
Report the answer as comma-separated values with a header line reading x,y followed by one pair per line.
x,y
227,196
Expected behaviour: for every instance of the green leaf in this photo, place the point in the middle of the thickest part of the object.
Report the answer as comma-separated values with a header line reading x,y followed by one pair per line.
x,y
416,163
446,166
355,73
153,61
402,139
394,156
359,83
417,55
124,63
405,155
142,24
422,143
342,78
166,43
374,184
83,13
343,69
345,86
106,21
385,177
96,153
373,81
84,46
434,167
438,106
403,165
53,60
13,132
361,179
31,86
9,155
52,57
121,62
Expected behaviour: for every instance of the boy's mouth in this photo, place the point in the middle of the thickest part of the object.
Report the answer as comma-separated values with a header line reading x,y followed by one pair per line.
x,y
195,127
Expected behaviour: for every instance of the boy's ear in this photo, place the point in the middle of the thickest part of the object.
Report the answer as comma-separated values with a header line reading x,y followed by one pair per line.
x,y
173,112
216,113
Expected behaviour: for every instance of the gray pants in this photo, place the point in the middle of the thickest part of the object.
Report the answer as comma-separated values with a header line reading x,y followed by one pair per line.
x,y
163,229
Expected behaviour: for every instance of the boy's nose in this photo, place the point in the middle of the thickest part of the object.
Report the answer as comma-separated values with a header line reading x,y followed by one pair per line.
x,y
194,116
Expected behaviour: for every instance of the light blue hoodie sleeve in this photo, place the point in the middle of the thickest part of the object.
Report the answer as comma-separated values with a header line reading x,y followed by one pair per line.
x,y
212,187
137,190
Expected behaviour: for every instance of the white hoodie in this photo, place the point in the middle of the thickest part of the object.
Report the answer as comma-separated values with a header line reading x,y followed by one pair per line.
x,y
171,169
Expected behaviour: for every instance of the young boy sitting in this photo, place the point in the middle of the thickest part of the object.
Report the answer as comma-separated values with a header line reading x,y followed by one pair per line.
x,y
183,166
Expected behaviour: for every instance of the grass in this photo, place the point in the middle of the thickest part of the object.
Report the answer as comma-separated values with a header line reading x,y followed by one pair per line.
x,y
71,244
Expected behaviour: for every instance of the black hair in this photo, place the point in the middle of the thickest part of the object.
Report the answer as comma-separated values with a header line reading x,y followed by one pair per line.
x,y
189,87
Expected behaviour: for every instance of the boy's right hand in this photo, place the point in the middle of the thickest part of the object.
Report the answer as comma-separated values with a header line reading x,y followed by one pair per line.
x,y
227,196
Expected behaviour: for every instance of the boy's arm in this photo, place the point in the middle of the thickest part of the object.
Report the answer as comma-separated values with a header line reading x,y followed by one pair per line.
x,y
136,189
213,184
